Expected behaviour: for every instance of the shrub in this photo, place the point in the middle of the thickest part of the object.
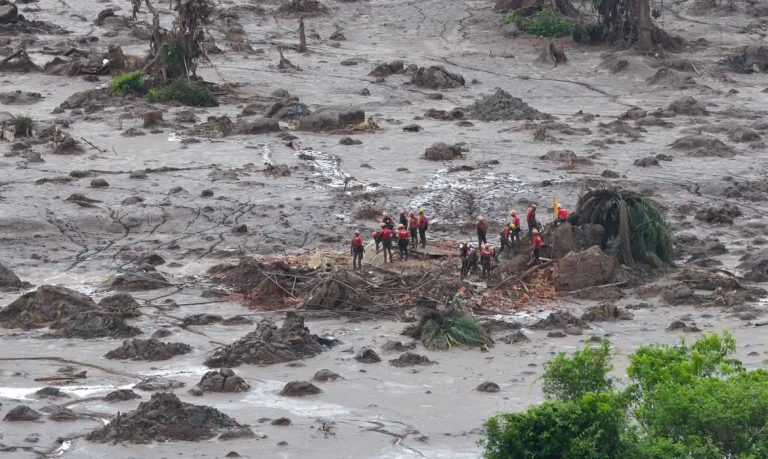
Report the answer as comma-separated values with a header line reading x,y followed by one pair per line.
x,y
181,91
22,126
441,330
131,82
569,378
545,23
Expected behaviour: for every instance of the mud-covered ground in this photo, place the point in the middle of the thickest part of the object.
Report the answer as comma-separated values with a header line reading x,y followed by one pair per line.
x,y
292,200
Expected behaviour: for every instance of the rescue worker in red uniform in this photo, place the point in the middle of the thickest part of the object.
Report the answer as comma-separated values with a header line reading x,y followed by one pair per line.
x,y
423,226
402,241
404,218
537,243
482,231
486,260
562,214
505,237
386,240
387,221
531,220
357,251
518,228
413,227
376,235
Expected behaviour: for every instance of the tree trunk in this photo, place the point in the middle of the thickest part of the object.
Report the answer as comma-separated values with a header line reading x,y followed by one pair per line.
x,y
643,11
302,36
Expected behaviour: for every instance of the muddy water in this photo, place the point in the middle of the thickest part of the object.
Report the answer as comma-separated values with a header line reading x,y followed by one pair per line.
x,y
378,410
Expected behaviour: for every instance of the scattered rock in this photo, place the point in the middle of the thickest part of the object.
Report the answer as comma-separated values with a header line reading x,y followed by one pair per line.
x,y
565,157
224,380
133,132
82,200
703,146
368,355
121,395
442,115
754,265
152,118
558,320
397,346
138,175
722,215
299,389
99,183
236,320
556,334
18,97
256,126
749,59
646,162
282,422
269,344
443,152
350,141
436,77
214,128
385,70
93,324
166,418
150,349
137,282
501,106
688,106
201,319
488,386
21,413
51,392
331,119
326,376
10,281
410,359
679,325
412,128
516,337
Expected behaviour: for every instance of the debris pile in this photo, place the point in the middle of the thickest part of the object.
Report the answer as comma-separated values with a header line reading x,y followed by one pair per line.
x,y
150,349
436,77
93,324
224,380
44,306
269,344
166,418
501,106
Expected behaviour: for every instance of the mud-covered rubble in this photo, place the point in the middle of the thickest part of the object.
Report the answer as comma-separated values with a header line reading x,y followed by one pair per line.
x,y
166,418
93,324
443,152
410,359
150,349
703,146
436,77
44,306
326,376
300,389
157,383
223,380
10,281
269,344
501,106
139,281
22,413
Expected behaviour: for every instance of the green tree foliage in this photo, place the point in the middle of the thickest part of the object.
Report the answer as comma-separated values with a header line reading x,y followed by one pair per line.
x,y
545,23
443,329
682,402
569,378
131,82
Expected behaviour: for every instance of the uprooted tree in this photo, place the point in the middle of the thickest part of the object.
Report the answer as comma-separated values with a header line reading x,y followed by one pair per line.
x,y
174,54
620,21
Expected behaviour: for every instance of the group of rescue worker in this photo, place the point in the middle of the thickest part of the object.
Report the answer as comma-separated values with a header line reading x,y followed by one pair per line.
x,y
412,229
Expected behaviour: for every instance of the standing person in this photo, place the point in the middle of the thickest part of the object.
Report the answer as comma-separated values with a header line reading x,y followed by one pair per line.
x,y
423,226
464,250
473,259
482,231
506,242
562,214
402,241
537,243
387,221
386,240
518,228
376,235
404,218
358,249
486,259
413,227
531,220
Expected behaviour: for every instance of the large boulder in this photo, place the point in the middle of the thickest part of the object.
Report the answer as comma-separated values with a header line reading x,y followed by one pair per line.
x,y
442,152
224,380
9,13
9,279
579,270
567,238
331,119
436,77
45,305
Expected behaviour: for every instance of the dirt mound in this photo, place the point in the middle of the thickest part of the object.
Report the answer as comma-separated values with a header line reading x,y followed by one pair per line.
x,y
669,78
755,266
605,312
501,106
51,392
45,305
566,157
709,280
743,134
93,324
436,77
703,146
299,389
269,344
331,119
302,8
442,152
398,346
139,281
488,386
164,418
215,127
121,395
156,383
121,304
224,380
287,109
688,106
367,355
719,215
9,280
325,376
387,69
749,59
201,319
149,349
559,319
589,268
22,413
569,238
410,359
